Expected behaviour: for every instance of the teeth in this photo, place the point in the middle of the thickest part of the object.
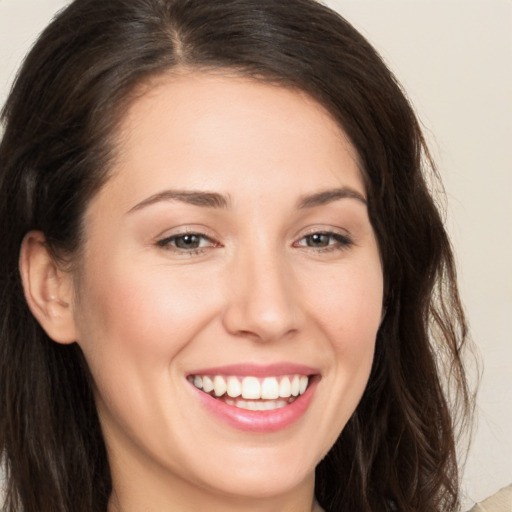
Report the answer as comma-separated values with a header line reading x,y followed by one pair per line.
x,y
285,388
251,406
207,384
219,385
252,388
234,387
303,384
295,385
257,406
270,388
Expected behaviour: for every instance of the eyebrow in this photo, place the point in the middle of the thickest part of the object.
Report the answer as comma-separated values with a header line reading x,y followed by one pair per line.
x,y
196,198
328,196
216,200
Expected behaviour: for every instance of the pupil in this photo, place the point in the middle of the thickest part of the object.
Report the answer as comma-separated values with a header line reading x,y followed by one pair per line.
x,y
188,242
319,240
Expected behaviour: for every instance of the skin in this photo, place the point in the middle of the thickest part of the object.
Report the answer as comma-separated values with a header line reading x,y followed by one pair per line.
x,y
258,290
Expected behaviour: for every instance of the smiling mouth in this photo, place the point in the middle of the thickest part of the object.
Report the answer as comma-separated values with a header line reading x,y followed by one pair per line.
x,y
253,393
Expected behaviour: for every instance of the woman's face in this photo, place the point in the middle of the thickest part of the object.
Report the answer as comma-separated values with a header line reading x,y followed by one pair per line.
x,y
230,248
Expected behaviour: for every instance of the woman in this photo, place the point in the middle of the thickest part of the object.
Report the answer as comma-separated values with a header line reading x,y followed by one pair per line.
x,y
225,285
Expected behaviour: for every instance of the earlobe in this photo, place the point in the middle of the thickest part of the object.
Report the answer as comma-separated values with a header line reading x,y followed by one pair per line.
x,y
48,289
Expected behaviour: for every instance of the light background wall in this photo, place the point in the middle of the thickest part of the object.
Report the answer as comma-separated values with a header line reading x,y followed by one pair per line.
x,y
454,58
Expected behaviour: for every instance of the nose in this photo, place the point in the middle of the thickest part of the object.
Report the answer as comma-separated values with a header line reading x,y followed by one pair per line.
x,y
262,299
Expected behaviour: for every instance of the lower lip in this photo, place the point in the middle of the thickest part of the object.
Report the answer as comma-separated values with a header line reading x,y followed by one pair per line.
x,y
259,421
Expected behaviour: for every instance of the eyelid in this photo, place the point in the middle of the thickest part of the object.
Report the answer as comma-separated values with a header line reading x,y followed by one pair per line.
x,y
343,237
319,228
164,241
186,229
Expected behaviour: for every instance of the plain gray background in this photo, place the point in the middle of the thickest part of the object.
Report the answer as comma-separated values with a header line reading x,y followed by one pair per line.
x,y
454,58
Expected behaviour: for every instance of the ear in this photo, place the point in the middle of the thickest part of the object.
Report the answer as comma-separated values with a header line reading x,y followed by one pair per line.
x,y
48,289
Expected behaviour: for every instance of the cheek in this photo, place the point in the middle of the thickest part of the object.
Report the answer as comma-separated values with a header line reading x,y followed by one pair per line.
x,y
133,324
136,309
349,312
349,307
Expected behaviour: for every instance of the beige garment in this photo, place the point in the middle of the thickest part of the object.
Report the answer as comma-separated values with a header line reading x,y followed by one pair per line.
x,y
499,502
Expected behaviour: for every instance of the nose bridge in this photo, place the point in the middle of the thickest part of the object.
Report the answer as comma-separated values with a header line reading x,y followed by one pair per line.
x,y
261,302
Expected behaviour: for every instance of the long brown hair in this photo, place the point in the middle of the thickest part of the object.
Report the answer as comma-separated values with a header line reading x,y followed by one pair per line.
x,y
398,450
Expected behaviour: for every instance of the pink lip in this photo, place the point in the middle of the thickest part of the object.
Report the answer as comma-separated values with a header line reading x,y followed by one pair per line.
x,y
259,421
254,370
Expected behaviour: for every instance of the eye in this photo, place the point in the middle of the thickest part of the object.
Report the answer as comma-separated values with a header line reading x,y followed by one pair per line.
x,y
187,242
325,240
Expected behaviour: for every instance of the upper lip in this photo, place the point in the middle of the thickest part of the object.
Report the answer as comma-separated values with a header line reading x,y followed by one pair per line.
x,y
257,370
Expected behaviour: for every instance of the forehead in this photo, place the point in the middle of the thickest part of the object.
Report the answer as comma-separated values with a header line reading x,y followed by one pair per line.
x,y
212,131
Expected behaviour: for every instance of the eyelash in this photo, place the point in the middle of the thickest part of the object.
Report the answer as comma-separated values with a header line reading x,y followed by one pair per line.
x,y
167,243
342,242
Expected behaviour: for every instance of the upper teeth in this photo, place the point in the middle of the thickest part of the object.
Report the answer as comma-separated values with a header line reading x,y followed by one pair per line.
x,y
268,388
